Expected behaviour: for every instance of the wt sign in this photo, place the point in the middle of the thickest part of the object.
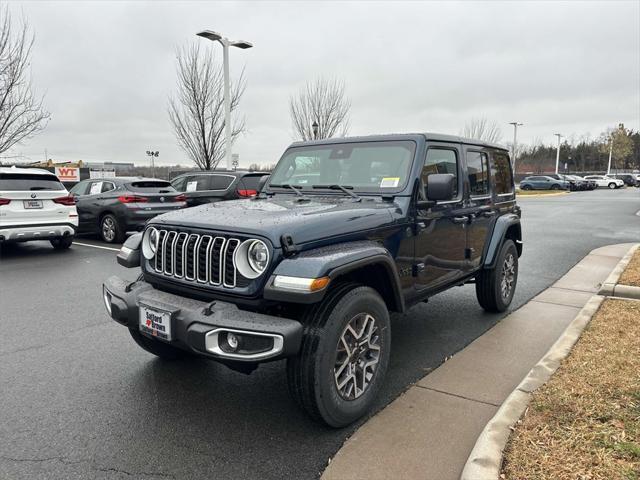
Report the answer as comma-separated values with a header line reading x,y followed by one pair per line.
x,y
68,174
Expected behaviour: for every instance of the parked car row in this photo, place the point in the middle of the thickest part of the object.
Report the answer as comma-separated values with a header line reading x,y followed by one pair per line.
x,y
574,182
35,205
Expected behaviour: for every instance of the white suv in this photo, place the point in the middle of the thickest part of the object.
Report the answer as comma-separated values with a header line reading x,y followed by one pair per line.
x,y
604,181
34,205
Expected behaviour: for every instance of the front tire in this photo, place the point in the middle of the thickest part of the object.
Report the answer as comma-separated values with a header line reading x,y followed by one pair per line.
x,y
156,347
344,356
110,229
61,243
526,187
555,186
495,287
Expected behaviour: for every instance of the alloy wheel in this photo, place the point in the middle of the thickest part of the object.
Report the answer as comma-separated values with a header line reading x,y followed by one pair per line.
x,y
507,276
357,356
108,229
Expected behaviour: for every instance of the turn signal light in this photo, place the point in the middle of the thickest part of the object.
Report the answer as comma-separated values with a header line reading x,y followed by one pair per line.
x,y
4,201
132,199
247,193
68,201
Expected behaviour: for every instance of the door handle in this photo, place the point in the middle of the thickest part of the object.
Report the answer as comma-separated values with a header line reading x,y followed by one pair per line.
x,y
459,220
489,213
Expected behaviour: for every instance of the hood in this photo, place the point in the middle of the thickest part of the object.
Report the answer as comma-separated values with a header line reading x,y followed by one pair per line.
x,y
305,221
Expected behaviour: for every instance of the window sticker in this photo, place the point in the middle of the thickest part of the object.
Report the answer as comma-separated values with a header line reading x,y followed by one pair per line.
x,y
95,188
192,186
390,182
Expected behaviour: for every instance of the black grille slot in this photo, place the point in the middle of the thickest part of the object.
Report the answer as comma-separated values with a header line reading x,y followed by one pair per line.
x,y
159,254
203,258
190,257
168,253
229,267
215,261
179,254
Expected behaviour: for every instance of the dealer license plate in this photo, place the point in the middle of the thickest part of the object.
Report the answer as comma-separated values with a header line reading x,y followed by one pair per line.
x,y
156,323
31,204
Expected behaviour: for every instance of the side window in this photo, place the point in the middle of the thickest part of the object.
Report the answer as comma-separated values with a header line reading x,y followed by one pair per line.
x,y
80,188
501,174
179,183
478,172
107,187
440,160
197,183
219,182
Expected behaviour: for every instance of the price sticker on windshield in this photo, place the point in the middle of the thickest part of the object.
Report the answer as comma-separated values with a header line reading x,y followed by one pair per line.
x,y
390,182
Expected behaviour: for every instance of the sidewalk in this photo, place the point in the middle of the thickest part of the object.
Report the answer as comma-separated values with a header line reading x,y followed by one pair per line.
x,y
429,431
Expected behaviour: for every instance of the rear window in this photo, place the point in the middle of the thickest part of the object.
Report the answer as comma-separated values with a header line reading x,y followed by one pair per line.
x,y
157,186
16,182
501,174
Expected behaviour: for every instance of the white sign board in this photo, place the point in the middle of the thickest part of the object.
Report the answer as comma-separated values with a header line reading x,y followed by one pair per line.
x,y
102,173
67,174
192,186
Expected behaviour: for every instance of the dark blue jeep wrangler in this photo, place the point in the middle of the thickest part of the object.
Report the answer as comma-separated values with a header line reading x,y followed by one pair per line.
x,y
344,232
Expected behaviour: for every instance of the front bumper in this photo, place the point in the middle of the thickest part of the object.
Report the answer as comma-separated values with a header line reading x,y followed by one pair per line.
x,y
46,231
198,326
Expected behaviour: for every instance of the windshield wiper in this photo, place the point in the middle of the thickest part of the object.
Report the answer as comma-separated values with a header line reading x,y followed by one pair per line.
x,y
289,186
344,188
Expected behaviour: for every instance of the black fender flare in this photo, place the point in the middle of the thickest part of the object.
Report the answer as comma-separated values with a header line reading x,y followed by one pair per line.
x,y
334,261
503,223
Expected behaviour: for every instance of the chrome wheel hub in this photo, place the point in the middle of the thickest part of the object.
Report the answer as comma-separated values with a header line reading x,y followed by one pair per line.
x,y
507,276
357,356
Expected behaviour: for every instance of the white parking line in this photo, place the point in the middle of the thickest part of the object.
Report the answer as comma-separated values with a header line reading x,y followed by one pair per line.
x,y
96,246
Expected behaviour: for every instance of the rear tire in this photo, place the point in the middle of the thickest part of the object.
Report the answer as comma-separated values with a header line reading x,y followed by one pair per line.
x,y
156,347
61,243
110,229
495,287
344,356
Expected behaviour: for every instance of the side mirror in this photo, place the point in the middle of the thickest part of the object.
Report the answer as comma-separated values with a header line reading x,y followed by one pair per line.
x,y
263,181
440,187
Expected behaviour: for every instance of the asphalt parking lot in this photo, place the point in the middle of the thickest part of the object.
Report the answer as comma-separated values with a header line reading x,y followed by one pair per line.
x,y
80,400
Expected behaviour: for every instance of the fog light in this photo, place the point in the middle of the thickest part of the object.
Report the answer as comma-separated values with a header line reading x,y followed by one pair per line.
x,y
106,296
232,341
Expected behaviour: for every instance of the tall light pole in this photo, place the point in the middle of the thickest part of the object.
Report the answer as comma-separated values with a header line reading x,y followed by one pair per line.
x,y
610,153
153,154
515,136
557,151
226,43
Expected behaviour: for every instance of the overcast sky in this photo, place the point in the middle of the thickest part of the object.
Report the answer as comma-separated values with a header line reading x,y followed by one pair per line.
x,y
107,68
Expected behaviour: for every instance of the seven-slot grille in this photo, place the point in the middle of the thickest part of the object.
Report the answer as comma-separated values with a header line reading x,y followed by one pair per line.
x,y
201,258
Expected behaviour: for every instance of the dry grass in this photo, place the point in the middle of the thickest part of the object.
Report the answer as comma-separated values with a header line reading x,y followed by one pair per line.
x,y
631,275
584,424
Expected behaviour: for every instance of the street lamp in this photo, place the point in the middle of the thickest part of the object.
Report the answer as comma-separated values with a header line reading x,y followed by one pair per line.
x,y
226,43
557,151
515,133
314,127
153,154
610,153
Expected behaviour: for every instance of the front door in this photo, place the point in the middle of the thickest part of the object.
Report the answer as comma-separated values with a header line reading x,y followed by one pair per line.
x,y
440,239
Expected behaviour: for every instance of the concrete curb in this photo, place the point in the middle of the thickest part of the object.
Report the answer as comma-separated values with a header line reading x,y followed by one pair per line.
x,y
485,460
534,195
611,287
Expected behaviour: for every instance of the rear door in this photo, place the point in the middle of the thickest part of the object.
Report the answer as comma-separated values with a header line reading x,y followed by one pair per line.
x,y
479,205
28,199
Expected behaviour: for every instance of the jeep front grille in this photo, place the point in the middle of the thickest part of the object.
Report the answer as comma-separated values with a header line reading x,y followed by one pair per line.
x,y
203,259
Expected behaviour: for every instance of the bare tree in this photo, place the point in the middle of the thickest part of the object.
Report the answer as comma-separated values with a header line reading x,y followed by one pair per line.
x,y
482,129
21,114
197,110
322,102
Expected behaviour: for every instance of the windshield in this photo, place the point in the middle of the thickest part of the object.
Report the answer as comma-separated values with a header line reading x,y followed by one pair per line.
x,y
374,167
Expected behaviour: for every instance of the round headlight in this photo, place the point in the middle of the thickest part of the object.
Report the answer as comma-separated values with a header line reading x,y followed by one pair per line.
x,y
150,243
251,258
258,256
